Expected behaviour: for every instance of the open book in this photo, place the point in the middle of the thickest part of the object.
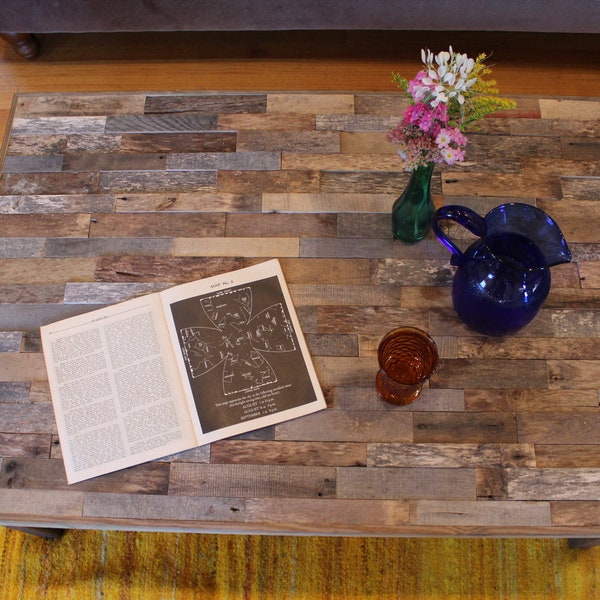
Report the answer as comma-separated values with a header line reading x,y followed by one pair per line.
x,y
173,370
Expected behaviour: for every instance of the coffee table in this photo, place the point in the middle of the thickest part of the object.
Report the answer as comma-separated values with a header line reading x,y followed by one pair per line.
x,y
109,196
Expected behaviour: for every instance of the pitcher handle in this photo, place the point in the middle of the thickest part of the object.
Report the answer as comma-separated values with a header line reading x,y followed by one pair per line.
x,y
463,216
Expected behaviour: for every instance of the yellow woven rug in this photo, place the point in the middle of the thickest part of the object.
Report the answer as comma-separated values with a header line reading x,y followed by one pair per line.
x,y
152,566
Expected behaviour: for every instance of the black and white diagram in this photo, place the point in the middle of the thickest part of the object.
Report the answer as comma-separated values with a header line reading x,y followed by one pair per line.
x,y
242,354
239,341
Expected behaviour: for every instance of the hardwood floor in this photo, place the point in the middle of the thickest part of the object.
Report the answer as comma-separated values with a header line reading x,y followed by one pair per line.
x,y
550,64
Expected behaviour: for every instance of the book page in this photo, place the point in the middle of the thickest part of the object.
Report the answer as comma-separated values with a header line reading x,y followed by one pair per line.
x,y
241,351
115,388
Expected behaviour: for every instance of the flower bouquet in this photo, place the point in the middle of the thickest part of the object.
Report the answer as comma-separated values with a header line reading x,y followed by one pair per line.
x,y
449,93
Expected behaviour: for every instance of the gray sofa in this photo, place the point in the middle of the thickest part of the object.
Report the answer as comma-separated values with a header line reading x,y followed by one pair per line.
x,y
20,20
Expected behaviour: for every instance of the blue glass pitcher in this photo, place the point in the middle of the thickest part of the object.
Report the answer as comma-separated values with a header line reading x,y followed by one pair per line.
x,y
502,278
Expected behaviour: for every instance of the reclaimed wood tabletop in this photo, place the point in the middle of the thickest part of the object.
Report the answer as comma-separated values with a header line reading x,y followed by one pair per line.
x,y
104,197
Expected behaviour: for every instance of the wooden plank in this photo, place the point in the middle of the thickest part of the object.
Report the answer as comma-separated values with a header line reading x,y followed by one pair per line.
x,y
58,125
226,161
46,270
275,139
166,225
57,204
570,110
276,225
159,269
348,425
352,398
490,373
125,182
531,400
327,203
449,455
333,294
248,182
581,513
252,481
14,391
331,345
531,348
553,428
329,513
113,162
24,445
188,202
33,105
567,455
46,225
574,374
236,247
27,418
455,427
310,103
54,505
319,271
49,183
179,142
481,514
267,122
30,473
501,185
161,123
553,484
406,484
206,103
288,453
162,509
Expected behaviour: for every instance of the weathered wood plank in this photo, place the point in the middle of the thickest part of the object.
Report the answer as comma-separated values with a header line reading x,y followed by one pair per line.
x,y
328,203
531,400
248,182
27,418
553,484
303,453
179,142
125,182
252,481
159,269
45,225
236,247
187,202
406,484
162,509
450,455
567,455
328,513
33,105
226,161
348,425
56,204
166,225
206,103
277,225
314,103
29,473
275,140
494,374
455,427
54,505
482,514
29,445
161,123
574,374
45,271
554,428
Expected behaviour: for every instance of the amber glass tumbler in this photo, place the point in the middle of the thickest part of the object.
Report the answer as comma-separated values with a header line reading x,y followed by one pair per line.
x,y
407,358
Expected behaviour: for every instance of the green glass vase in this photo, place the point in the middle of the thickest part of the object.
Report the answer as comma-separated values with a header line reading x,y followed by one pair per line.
x,y
413,211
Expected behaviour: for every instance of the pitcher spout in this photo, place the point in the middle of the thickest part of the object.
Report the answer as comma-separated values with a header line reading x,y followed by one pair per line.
x,y
532,223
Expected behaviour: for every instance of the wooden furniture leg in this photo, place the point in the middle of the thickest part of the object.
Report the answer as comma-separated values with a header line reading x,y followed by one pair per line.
x,y
45,532
24,44
583,543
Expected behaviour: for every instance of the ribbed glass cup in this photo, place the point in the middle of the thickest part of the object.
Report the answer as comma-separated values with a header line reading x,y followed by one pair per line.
x,y
407,358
